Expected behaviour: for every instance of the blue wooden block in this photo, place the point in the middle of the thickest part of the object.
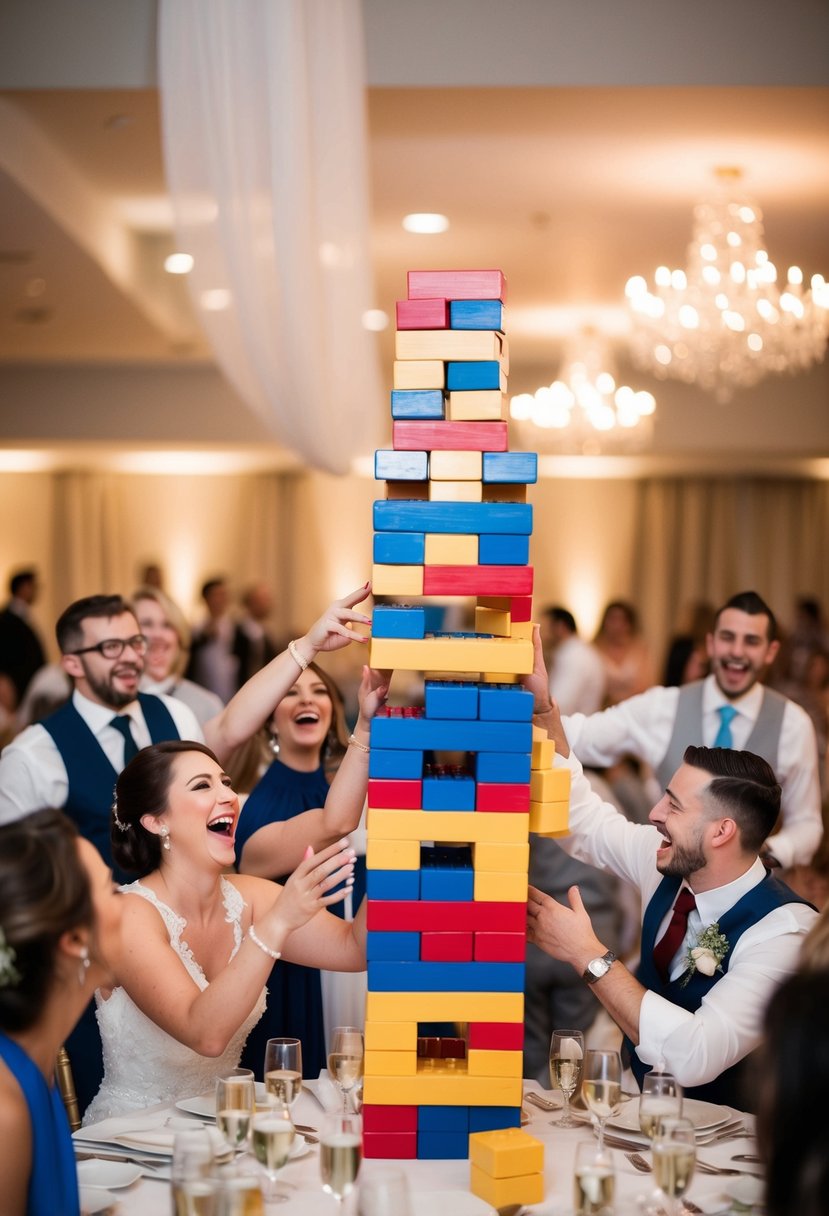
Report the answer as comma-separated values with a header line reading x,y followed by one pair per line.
x,y
443,1119
445,977
405,515
494,549
401,466
424,734
398,620
442,1146
454,886
474,374
449,793
519,467
393,884
476,314
402,548
392,947
404,766
493,1118
451,699
417,403
505,703
511,768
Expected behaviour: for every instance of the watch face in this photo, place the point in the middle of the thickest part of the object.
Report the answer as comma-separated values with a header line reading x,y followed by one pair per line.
x,y
598,967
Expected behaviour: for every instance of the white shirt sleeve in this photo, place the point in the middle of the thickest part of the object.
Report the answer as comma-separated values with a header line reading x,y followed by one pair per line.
x,y
797,772
187,724
641,726
32,775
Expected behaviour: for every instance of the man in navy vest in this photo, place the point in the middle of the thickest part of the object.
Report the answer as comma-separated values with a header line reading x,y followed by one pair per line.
x,y
729,708
732,932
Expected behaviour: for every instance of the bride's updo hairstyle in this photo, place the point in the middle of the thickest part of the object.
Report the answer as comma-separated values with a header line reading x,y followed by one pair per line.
x,y
44,892
142,789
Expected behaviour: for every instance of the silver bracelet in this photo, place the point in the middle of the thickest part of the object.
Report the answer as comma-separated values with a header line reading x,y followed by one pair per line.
x,y
257,941
296,656
354,742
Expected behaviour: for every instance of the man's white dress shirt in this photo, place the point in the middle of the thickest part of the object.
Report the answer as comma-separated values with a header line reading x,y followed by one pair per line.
x,y
577,677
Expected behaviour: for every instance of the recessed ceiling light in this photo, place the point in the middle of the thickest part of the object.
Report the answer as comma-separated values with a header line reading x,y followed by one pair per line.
x,y
425,222
178,263
375,319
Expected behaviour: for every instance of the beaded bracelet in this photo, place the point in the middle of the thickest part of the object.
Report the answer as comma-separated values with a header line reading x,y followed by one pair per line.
x,y
354,742
296,656
257,941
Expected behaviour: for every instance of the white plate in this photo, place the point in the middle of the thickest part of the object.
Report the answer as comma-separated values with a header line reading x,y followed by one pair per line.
x,y
204,1105
110,1174
703,1115
93,1201
747,1191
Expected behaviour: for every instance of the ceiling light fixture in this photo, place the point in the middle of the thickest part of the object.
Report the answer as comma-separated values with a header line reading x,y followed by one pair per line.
x,y
178,263
723,323
425,223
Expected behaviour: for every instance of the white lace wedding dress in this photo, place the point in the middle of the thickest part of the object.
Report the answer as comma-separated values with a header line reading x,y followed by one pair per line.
x,y
142,1063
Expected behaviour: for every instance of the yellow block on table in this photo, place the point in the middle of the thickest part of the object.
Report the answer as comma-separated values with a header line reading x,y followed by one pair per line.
x,y
506,1153
501,1192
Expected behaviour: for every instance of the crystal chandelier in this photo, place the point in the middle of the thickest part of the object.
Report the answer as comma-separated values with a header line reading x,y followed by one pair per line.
x,y
724,323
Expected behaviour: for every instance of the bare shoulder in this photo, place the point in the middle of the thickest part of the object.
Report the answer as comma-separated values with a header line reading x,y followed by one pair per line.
x,y
14,1119
260,893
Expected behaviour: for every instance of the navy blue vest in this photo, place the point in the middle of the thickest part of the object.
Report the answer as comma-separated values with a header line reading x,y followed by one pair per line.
x,y
730,1087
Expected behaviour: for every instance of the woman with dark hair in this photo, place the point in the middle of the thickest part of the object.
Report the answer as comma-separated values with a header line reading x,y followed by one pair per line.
x,y
199,942
627,660
60,924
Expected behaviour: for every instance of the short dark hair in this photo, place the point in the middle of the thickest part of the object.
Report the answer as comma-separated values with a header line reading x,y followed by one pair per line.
x,y
745,787
69,629
20,578
44,891
561,616
211,585
752,604
142,789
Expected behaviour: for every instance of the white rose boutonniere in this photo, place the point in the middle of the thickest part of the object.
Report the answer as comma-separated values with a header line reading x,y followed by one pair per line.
x,y
707,955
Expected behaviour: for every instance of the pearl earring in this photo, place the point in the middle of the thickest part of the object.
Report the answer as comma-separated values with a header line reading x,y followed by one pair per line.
x,y
164,833
83,966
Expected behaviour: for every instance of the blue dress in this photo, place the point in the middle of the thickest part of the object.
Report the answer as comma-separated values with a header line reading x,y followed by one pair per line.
x,y
294,992
53,1183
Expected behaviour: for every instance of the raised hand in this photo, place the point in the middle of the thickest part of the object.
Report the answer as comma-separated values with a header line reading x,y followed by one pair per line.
x,y
331,631
373,692
311,886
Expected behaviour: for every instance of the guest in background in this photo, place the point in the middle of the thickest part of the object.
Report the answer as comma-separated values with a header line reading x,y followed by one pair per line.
x,y
60,923
151,575
21,650
252,644
577,674
168,639
627,659
687,657
212,661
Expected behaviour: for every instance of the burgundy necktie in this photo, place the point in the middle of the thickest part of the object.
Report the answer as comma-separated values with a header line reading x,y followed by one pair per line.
x,y
671,939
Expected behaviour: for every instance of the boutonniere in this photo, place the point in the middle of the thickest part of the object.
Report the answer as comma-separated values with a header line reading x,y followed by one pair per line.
x,y
707,955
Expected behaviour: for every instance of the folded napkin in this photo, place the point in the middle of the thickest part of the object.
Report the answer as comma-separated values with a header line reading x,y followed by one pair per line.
x,y
109,1129
154,1133
325,1091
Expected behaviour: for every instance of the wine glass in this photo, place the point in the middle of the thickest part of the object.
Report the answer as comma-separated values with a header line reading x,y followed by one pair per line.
x,y
193,1189
234,1105
566,1066
272,1137
674,1149
594,1180
661,1096
283,1071
601,1086
345,1059
384,1192
341,1151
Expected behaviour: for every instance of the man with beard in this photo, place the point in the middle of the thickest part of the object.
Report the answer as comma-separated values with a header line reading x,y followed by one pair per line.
x,y
729,708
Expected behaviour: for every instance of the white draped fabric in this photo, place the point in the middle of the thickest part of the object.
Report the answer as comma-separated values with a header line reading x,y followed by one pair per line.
x,y
263,110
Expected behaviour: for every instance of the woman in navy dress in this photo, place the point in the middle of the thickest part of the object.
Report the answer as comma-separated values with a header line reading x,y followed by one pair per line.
x,y
60,920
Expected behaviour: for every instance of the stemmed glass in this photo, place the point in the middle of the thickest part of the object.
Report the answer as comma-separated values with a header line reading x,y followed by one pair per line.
x,y
384,1193
234,1105
661,1097
345,1059
674,1158
272,1136
594,1181
193,1189
566,1066
341,1151
283,1071
601,1086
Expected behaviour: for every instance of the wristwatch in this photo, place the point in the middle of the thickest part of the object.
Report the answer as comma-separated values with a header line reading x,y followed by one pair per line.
x,y
597,967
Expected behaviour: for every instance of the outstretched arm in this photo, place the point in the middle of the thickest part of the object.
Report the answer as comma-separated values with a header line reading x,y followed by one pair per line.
x,y
545,710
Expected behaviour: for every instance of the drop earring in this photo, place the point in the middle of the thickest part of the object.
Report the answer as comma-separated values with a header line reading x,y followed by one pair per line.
x,y
164,833
273,742
83,966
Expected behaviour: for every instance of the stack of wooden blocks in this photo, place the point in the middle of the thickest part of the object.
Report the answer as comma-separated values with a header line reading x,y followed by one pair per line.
x,y
506,1168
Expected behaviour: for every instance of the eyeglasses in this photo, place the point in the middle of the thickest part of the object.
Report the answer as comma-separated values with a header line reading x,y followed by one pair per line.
x,y
113,648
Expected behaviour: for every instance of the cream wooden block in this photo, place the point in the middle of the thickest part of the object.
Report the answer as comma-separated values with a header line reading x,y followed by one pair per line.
x,y
419,373
393,855
391,1036
451,344
500,886
452,549
455,491
492,620
501,858
455,466
477,405
480,1063
460,826
396,580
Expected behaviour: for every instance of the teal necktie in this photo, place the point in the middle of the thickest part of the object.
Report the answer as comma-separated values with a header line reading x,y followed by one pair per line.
x,y
123,724
727,714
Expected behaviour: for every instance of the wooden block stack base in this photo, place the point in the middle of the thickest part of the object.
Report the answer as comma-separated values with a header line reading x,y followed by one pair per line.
x,y
506,1167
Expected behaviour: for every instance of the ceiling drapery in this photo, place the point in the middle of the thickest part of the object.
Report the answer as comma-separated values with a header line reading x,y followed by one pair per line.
x,y
263,110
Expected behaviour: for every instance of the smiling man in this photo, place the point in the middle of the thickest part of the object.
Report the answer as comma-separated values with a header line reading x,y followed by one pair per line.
x,y
731,707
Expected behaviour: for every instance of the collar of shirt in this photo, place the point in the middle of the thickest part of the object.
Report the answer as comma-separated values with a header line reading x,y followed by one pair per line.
x,y
747,705
712,904
98,717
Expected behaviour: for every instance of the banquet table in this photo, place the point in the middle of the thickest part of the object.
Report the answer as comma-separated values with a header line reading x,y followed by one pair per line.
x,y
440,1186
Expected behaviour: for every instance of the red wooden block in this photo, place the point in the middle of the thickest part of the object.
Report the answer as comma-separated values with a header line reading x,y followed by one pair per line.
x,y
501,796
397,795
417,436
496,1036
500,947
446,947
457,284
477,580
520,607
389,1118
425,916
422,314
398,1145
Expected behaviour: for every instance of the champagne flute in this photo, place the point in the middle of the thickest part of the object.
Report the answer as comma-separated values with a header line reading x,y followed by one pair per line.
x,y
194,1192
234,1105
283,1071
661,1096
594,1181
341,1151
601,1086
384,1192
674,1158
272,1137
345,1059
566,1066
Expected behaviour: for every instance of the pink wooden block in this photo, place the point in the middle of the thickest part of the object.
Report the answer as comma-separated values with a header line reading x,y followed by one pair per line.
x,y
457,284
422,314
449,436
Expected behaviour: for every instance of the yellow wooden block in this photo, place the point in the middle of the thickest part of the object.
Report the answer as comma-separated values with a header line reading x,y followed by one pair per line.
x,y
543,752
477,405
451,344
549,818
455,466
419,373
455,491
503,491
506,1192
522,629
393,854
442,1089
452,549
396,580
390,1063
550,785
495,678
492,620
501,858
507,655
463,826
416,491
506,1153
500,885
481,1063
446,1007
391,1036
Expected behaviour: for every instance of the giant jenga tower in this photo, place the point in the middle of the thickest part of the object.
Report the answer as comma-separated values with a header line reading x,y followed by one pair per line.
x,y
455,786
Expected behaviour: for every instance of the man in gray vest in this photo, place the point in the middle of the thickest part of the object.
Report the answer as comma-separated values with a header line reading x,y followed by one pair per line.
x,y
729,708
